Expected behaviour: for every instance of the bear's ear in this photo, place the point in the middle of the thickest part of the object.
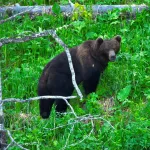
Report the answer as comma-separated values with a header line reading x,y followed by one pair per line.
x,y
118,38
99,41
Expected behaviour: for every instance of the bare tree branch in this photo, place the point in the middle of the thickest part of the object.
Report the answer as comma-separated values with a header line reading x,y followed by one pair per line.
x,y
70,107
25,38
30,37
71,130
86,137
54,35
14,142
2,131
80,119
36,98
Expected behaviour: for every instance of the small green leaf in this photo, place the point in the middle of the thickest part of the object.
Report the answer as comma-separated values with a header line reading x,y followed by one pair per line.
x,y
56,9
124,93
79,25
91,35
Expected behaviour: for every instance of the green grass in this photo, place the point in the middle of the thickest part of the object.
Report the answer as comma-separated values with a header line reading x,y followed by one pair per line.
x,y
127,80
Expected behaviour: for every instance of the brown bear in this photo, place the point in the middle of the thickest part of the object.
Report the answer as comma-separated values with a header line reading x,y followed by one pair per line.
x,y
89,61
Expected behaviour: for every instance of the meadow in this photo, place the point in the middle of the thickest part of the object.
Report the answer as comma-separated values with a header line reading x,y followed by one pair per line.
x,y
126,81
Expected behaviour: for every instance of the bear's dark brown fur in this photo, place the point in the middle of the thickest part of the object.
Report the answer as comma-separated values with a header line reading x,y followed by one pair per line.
x,y
89,61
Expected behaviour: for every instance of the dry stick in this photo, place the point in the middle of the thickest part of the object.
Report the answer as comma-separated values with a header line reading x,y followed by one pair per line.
x,y
36,98
96,117
71,130
14,142
65,26
30,37
10,144
2,131
82,118
54,35
104,120
62,126
85,136
25,38
1,106
70,107
43,97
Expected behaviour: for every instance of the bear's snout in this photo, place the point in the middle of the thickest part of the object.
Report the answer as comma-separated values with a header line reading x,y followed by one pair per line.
x,y
112,55
112,58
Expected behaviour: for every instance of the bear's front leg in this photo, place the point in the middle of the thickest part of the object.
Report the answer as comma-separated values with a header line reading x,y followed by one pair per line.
x,y
45,107
61,106
91,83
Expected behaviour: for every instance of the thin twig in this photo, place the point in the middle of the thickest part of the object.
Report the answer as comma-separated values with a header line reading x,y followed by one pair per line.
x,y
54,35
86,137
70,107
10,144
36,98
2,131
71,130
81,119
14,142
25,38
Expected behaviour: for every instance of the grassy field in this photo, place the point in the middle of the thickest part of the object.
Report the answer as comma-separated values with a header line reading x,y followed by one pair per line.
x,y
127,80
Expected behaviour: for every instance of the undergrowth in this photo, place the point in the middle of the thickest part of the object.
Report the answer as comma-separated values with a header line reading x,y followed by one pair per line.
x,y
127,81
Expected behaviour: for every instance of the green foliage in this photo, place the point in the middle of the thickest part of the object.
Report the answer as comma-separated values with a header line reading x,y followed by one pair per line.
x,y
56,8
93,105
80,12
127,80
124,93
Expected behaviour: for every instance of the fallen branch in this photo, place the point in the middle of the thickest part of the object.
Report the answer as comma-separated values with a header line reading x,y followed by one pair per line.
x,y
86,137
54,35
67,140
25,38
80,119
70,107
18,14
67,10
3,140
36,98
13,142
30,37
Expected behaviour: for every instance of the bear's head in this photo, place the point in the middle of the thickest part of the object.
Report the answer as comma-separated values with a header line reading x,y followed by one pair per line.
x,y
106,50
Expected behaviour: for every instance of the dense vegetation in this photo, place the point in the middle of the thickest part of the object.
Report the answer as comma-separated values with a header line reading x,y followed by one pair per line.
x,y
127,80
